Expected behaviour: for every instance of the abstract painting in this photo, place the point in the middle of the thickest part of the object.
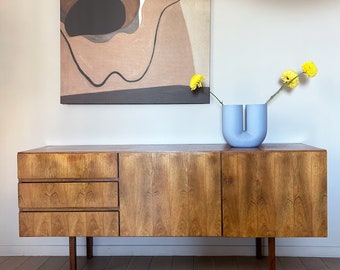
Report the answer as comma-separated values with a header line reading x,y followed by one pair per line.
x,y
134,51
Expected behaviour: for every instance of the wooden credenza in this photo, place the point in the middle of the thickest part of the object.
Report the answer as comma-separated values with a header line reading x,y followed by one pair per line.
x,y
276,190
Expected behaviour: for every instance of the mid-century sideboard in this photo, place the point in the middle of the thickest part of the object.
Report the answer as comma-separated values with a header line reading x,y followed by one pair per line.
x,y
275,190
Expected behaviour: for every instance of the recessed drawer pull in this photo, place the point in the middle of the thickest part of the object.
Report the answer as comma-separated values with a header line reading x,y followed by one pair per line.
x,y
228,181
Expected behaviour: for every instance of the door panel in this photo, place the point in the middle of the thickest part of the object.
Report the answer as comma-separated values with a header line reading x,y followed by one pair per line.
x,y
170,194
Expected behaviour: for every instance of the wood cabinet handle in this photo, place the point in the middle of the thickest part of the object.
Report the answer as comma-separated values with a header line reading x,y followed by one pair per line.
x,y
228,181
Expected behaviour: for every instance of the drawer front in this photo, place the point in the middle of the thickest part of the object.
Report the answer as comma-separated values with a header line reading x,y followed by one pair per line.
x,y
68,195
68,224
67,165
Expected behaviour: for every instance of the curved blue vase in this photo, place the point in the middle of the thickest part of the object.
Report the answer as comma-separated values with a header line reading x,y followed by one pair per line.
x,y
252,132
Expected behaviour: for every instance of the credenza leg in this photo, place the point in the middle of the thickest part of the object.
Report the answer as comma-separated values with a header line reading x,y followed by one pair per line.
x,y
73,253
271,253
89,247
259,248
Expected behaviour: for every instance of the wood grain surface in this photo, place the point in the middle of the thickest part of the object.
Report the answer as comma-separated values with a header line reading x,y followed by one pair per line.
x,y
170,194
67,165
274,194
68,223
68,195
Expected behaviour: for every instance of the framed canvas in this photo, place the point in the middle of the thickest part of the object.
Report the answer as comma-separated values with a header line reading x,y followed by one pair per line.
x,y
134,51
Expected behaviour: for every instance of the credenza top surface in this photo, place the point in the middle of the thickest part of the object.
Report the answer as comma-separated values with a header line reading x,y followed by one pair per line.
x,y
170,148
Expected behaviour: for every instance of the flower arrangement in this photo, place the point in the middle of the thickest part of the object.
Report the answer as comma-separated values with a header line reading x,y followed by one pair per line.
x,y
290,78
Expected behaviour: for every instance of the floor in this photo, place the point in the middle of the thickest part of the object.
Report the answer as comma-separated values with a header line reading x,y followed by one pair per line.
x,y
167,263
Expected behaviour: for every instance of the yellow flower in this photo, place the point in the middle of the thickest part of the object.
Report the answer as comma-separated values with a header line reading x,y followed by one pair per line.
x,y
196,81
310,69
291,78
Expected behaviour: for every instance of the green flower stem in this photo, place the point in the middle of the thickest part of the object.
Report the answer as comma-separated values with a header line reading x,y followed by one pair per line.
x,y
220,101
282,86
275,94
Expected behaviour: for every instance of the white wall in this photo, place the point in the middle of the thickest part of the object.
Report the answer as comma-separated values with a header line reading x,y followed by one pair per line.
x,y
252,43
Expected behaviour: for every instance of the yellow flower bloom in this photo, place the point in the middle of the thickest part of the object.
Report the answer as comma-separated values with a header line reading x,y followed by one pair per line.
x,y
310,69
196,81
291,78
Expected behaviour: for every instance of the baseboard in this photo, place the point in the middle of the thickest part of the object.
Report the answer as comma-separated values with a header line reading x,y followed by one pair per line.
x,y
169,250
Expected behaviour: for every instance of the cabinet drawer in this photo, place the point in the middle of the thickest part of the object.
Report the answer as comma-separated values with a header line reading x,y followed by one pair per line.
x,y
68,195
68,224
67,165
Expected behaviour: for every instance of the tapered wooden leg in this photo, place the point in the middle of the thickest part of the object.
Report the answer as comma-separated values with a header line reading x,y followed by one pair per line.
x,y
271,253
73,253
89,247
259,254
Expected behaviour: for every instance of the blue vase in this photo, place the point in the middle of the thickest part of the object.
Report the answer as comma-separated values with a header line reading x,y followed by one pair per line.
x,y
244,126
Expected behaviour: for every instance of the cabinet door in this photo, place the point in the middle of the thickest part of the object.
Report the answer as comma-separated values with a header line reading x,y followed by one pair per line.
x,y
170,194
274,194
